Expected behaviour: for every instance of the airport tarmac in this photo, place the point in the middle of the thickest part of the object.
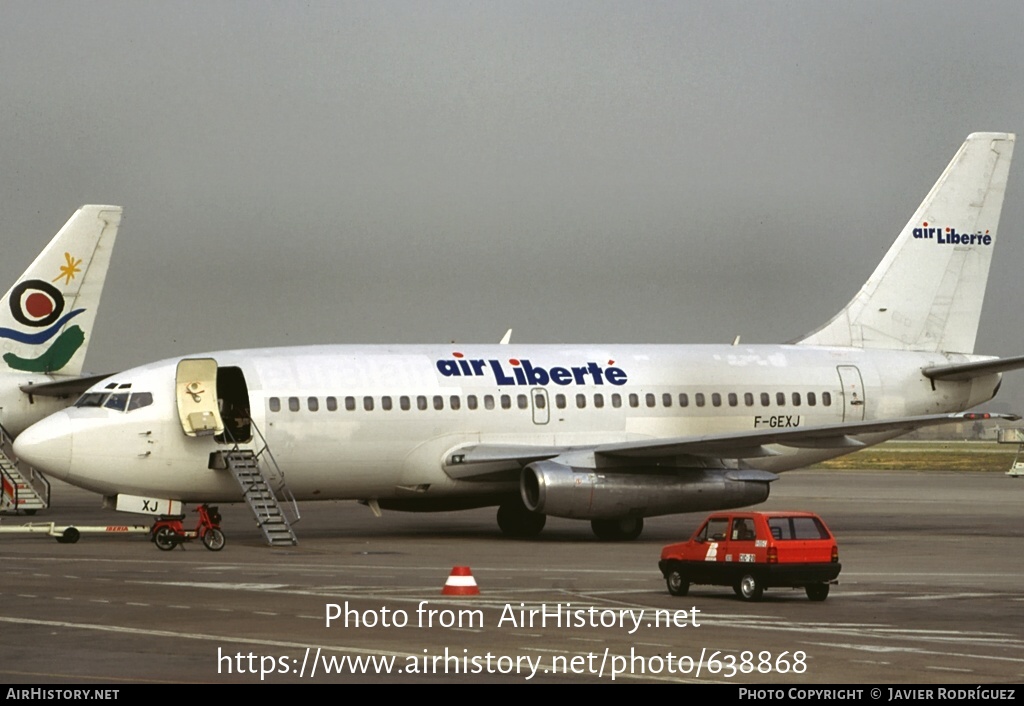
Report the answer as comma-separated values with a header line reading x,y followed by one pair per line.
x,y
929,593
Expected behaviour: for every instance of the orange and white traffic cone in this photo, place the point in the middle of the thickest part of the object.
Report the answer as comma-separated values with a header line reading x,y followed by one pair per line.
x,y
460,583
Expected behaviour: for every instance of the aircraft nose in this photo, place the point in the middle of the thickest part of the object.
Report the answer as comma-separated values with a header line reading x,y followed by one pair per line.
x,y
46,445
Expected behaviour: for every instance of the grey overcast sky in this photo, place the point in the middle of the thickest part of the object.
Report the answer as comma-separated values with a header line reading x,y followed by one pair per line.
x,y
370,172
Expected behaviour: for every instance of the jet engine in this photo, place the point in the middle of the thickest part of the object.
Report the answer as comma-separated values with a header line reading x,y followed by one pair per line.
x,y
560,490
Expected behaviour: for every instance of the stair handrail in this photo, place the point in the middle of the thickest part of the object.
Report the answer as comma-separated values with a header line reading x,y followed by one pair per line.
x,y
40,484
282,486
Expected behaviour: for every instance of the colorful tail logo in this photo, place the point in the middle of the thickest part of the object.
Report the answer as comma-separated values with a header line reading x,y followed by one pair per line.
x,y
40,305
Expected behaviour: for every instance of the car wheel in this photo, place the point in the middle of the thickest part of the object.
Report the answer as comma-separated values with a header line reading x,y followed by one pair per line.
x,y
817,591
750,588
677,583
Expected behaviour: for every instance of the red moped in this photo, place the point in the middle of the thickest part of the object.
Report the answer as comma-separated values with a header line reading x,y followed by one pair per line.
x,y
167,532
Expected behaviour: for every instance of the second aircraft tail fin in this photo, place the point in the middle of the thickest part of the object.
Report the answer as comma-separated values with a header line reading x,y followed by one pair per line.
x,y
46,318
927,292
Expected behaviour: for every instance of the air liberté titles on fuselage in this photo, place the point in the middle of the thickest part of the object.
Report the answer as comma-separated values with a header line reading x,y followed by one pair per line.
x,y
523,372
949,236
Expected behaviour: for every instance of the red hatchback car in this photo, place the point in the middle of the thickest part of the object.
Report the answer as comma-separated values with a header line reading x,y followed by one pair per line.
x,y
752,551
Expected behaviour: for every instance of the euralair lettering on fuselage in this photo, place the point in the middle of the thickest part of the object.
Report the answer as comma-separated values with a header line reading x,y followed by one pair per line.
x,y
523,372
949,236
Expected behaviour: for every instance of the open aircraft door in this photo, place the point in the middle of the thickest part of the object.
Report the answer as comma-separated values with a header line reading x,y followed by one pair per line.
x,y
195,388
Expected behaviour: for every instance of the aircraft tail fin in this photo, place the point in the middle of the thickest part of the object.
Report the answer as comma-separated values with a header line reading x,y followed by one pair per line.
x,y
927,292
46,318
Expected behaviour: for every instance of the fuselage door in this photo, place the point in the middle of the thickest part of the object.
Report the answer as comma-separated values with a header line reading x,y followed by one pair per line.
x,y
853,393
195,387
541,405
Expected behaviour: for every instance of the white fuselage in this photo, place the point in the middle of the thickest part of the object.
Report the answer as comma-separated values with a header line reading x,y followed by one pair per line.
x,y
381,423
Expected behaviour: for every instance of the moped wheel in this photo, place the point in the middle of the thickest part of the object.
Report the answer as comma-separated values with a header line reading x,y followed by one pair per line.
x,y
165,539
213,539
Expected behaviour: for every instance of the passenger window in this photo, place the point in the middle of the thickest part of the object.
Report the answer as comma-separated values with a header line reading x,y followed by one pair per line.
x,y
522,401
666,399
796,399
405,403
455,402
368,403
385,403
560,400
581,401
488,401
275,404
780,399
649,399
826,399
506,402
350,404
716,399
539,400
699,399
716,530
438,402
733,400
766,399
748,399
684,400
471,401
332,404
634,400
811,400
742,530
313,403
598,400
293,404
421,402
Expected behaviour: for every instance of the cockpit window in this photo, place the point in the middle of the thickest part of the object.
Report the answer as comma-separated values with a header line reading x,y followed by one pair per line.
x,y
91,399
140,400
117,401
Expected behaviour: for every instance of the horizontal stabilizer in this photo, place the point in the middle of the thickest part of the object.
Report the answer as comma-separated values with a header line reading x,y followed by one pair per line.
x,y
65,387
968,371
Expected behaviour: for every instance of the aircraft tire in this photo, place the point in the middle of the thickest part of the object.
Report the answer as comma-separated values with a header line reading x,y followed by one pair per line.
x,y
515,520
214,539
623,529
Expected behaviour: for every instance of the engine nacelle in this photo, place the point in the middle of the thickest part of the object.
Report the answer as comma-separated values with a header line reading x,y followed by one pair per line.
x,y
559,490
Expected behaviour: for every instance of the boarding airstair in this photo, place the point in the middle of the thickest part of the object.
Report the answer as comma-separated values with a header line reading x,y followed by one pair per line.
x,y
1014,435
262,483
24,489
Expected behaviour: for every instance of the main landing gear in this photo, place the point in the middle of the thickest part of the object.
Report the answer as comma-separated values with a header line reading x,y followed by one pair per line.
x,y
515,520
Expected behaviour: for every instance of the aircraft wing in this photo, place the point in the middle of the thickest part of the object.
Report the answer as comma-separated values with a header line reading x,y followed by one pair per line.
x,y
63,387
734,445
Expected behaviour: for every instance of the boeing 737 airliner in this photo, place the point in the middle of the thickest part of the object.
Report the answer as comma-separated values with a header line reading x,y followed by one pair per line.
x,y
606,433
46,322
